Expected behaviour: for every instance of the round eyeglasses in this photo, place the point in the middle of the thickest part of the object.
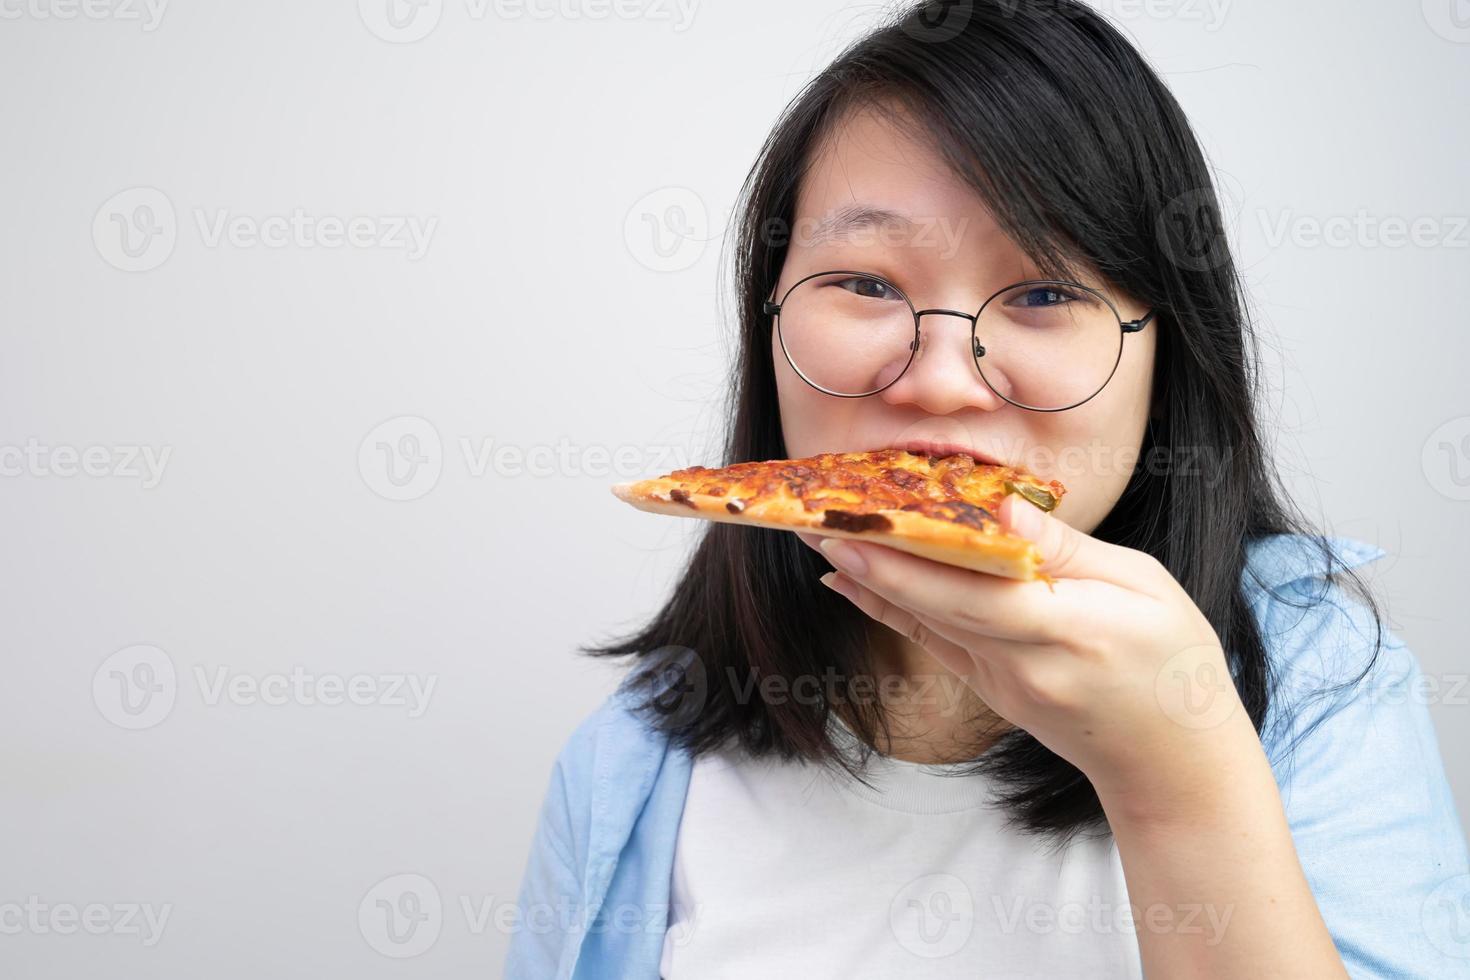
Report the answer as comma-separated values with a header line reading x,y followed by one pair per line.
x,y
1045,345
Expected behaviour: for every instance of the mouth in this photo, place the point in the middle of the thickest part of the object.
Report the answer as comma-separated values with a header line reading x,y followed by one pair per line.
x,y
927,447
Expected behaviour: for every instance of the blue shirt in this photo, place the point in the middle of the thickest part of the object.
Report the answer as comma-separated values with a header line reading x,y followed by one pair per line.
x,y
1361,779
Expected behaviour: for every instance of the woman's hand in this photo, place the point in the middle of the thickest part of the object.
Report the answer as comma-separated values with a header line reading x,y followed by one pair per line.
x,y
1115,669
1112,666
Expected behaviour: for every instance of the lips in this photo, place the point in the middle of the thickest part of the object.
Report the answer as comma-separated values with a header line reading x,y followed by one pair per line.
x,y
927,447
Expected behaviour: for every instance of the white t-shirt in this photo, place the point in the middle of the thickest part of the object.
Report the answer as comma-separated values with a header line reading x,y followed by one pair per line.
x,y
790,870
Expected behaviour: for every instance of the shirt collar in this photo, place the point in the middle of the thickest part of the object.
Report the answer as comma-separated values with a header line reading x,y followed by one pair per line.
x,y
1274,560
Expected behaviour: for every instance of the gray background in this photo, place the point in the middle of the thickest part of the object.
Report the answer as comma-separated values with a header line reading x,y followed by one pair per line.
x,y
574,172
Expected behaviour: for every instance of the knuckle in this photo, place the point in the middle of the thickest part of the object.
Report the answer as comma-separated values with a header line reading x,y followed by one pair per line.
x,y
972,616
1042,684
1064,549
1151,565
918,633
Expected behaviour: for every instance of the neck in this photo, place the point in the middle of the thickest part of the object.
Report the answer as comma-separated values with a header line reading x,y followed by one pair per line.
x,y
932,715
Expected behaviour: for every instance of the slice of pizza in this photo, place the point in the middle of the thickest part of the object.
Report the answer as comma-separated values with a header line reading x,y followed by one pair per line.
x,y
939,507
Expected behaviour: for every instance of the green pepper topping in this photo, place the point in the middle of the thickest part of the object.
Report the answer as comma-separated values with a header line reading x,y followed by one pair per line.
x,y
1036,495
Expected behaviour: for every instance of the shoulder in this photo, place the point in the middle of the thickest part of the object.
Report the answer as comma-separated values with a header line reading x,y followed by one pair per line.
x,y
1276,561
1308,622
1325,648
612,730
604,763
1357,761
1331,660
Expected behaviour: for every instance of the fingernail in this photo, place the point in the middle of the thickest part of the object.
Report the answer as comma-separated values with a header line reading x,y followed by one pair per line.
x,y
844,556
837,583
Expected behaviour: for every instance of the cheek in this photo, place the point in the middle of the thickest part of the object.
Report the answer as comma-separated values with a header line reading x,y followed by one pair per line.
x,y
1094,448
811,422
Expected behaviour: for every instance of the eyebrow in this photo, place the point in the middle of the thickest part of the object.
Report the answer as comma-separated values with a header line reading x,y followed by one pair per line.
x,y
852,217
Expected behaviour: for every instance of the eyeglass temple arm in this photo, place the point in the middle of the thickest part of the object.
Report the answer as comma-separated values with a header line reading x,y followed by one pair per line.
x,y
1133,326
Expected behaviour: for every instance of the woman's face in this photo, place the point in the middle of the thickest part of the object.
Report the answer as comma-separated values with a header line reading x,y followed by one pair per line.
x,y
943,249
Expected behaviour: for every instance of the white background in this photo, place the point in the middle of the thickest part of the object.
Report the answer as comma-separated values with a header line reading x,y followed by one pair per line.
x,y
539,153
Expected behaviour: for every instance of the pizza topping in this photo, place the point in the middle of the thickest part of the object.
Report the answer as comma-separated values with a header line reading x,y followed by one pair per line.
x,y
1038,496
941,507
841,520
955,511
906,479
953,488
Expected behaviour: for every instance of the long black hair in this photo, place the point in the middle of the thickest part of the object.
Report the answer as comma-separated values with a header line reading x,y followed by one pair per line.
x,y
1081,153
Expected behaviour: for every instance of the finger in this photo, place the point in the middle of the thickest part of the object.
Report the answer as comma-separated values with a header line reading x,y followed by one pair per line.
x,y
1070,554
974,660
1028,612
952,656
812,541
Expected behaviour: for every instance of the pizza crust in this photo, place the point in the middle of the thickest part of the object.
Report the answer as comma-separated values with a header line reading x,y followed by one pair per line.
x,y
991,550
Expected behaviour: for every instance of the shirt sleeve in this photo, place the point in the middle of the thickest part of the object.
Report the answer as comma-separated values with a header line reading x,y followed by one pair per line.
x,y
550,900
1364,787
549,882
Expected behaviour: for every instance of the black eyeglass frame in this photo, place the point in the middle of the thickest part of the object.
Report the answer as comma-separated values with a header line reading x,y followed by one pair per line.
x,y
977,350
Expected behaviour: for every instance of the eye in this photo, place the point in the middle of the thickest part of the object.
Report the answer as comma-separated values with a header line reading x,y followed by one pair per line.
x,y
1043,296
868,288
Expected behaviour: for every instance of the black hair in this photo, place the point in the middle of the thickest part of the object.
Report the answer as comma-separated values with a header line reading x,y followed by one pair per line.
x,y
1080,152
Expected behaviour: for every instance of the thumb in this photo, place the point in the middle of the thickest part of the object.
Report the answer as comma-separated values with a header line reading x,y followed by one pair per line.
x,y
1067,552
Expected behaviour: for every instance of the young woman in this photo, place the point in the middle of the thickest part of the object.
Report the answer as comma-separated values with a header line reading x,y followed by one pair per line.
x,y
833,759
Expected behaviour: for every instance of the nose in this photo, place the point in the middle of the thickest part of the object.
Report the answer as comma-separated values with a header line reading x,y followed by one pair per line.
x,y
942,378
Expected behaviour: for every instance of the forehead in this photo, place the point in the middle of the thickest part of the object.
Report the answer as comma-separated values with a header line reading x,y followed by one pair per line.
x,y
874,171
877,190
